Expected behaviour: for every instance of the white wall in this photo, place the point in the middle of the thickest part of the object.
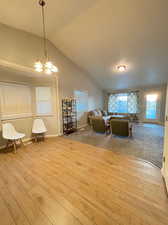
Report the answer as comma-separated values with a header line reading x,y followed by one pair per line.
x,y
23,49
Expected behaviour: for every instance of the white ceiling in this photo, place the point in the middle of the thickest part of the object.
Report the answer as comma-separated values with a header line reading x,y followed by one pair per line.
x,y
99,34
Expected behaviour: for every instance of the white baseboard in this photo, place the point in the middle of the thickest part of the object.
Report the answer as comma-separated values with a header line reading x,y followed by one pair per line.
x,y
29,140
165,176
52,135
152,122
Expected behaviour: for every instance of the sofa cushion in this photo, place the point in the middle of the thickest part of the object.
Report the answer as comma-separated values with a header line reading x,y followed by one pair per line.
x,y
104,113
106,118
120,127
99,113
94,113
98,124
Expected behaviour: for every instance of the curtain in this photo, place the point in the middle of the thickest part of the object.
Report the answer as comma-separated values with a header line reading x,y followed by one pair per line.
x,y
133,102
124,102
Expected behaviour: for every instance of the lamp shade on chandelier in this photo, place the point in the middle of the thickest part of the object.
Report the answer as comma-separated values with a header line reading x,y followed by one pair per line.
x,y
44,65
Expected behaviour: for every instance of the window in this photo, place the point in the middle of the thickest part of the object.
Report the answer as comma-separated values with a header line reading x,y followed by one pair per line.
x,y
15,101
43,101
123,103
151,106
81,106
81,101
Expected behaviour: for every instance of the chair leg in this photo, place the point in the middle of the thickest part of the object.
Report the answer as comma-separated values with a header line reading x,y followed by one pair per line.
x,y
14,145
7,144
35,138
130,133
111,131
21,142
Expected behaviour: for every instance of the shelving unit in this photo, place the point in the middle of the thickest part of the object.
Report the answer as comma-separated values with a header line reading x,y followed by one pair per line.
x,y
69,115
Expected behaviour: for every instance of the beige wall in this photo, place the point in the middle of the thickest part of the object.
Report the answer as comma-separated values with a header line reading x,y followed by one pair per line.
x,y
23,49
161,90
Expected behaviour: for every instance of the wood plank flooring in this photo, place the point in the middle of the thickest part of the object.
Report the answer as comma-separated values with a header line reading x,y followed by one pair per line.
x,y
63,182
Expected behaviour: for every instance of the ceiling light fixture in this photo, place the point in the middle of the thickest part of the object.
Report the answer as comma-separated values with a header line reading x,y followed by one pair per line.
x,y
122,68
45,65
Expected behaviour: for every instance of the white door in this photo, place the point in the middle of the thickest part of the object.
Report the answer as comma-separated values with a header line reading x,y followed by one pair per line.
x,y
165,155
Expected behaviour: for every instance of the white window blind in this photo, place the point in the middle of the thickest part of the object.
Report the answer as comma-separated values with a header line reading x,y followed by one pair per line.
x,y
15,101
43,101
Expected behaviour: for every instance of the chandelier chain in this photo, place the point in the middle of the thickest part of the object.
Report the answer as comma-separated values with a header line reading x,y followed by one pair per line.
x,y
44,31
45,66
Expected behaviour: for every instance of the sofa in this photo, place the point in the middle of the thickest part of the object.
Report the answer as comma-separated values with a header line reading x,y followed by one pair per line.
x,y
99,125
121,127
98,113
101,121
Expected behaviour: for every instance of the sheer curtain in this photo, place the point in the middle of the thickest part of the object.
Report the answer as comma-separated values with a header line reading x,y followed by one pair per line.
x,y
123,102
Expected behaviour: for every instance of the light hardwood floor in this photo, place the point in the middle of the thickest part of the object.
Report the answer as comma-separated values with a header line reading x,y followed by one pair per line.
x,y
63,182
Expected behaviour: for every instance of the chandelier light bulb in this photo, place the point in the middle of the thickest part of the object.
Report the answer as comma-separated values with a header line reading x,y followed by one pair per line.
x,y
122,68
49,65
54,69
38,66
48,71
39,70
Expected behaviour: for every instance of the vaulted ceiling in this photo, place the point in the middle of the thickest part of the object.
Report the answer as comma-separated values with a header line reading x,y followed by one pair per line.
x,y
100,34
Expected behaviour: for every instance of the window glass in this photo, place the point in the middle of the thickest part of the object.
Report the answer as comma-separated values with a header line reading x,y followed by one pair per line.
x,y
43,100
151,106
122,103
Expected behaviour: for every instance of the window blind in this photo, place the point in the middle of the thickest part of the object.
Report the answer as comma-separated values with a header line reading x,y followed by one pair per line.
x,y
15,101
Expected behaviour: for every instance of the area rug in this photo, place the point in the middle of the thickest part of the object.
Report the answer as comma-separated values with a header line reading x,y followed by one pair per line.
x,y
146,143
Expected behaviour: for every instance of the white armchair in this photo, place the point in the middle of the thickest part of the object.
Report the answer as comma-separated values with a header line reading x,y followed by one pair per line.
x,y
39,129
11,135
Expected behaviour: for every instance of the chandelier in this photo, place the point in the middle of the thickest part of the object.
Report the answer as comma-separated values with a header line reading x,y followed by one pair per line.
x,y
45,65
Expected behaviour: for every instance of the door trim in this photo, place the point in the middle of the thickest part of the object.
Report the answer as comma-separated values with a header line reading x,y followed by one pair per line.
x,y
165,177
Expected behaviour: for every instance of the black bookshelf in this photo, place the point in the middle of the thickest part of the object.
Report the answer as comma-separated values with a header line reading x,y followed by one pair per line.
x,y
69,115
